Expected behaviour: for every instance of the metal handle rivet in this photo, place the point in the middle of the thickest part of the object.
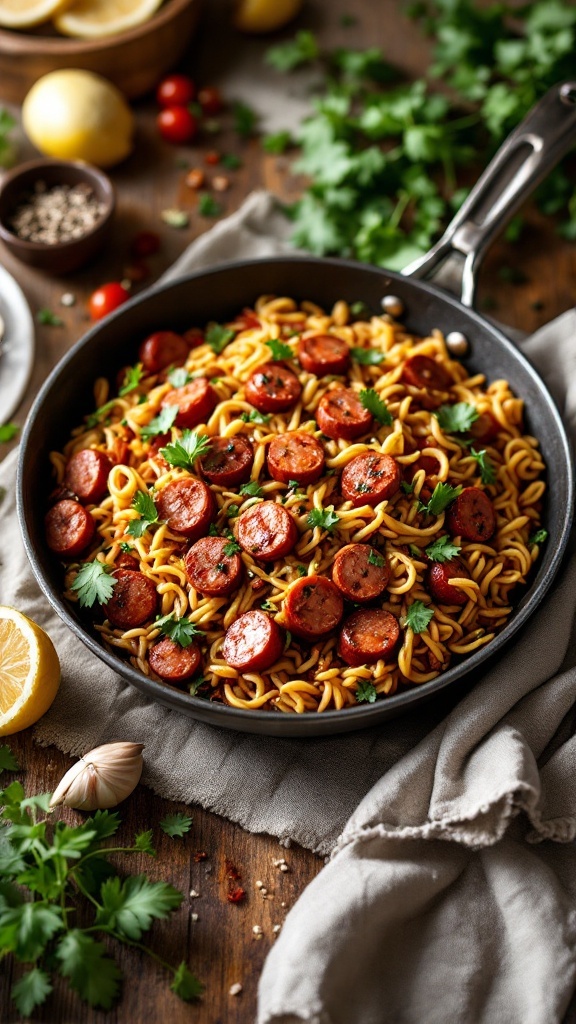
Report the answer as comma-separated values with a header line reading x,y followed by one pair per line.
x,y
393,305
457,343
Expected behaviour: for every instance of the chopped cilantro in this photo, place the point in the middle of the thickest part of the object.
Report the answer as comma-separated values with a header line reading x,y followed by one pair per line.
x,y
325,519
279,350
184,452
375,559
48,318
406,487
7,432
161,423
94,583
367,356
365,692
442,496
143,504
442,550
252,489
292,54
277,142
218,336
418,617
232,511
132,378
487,471
254,416
457,418
268,606
176,825
126,548
195,685
231,548
207,206
301,570
374,404
538,537
181,631
179,377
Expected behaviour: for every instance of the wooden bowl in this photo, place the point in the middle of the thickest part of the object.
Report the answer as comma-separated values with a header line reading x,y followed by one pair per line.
x,y
60,257
134,60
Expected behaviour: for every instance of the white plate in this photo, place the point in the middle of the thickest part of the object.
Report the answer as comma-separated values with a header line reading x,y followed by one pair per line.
x,y
16,346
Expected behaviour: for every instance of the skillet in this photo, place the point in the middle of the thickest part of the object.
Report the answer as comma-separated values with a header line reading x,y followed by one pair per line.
x,y
217,294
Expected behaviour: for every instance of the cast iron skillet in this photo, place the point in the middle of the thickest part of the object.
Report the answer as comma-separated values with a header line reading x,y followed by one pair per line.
x,y
218,293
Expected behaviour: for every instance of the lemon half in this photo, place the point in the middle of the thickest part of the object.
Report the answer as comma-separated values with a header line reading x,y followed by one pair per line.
x,y
26,13
90,19
265,15
29,671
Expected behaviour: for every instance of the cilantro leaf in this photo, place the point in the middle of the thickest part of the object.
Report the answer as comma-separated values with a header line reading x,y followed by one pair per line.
x,y
406,487
186,985
245,119
374,404
325,519
31,990
181,631
457,418
269,606
176,825
132,379
367,356
442,496
252,489
194,685
538,537
26,930
230,161
94,418
231,548
161,423
143,843
184,452
255,417
232,511
442,549
92,973
218,336
487,471
365,691
7,760
94,583
278,142
279,350
292,54
418,616
179,377
129,906
143,504
103,824
48,318
301,570
375,559
207,206
7,432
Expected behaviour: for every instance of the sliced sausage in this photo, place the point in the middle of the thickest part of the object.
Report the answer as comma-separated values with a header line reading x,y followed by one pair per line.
x,y
87,475
162,349
438,579
323,353
267,531
486,428
340,414
253,642
273,388
69,528
188,506
210,570
370,478
360,572
126,561
367,636
228,461
195,402
134,600
424,372
472,515
295,456
313,607
194,337
172,662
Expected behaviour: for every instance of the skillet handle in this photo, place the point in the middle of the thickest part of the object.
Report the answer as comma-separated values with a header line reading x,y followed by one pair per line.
x,y
547,132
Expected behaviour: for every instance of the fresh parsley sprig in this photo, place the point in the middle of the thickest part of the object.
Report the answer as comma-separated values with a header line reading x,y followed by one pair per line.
x,y
374,404
218,336
375,559
144,505
279,350
132,378
254,416
184,452
538,537
161,423
181,631
442,496
251,490
418,617
487,471
94,583
176,825
324,518
179,377
367,356
365,692
442,549
457,418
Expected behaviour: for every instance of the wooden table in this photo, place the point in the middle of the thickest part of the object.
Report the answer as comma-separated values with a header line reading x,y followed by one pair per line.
x,y
220,945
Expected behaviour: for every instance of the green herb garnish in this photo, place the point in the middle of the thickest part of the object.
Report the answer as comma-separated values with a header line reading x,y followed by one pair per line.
x,y
48,318
374,404
538,537
487,471
207,206
7,432
297,51
442,496
132,378
367,356
252,489
184,452
325,519
142,503
365,692
254,416
245,120
418,617
161,423
94,583
179,377
442,550
279,350
278,142
375,559
176,825
458,418
217,337
231,548
181,631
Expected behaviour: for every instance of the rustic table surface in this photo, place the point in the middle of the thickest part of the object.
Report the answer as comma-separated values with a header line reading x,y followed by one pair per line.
x,y
220,946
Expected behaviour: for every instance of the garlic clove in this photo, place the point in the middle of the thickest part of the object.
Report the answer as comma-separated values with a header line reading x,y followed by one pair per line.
x,y
102,778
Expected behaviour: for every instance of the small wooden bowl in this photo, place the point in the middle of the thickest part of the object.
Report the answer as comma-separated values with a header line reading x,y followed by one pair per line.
x,y
134,60
61,257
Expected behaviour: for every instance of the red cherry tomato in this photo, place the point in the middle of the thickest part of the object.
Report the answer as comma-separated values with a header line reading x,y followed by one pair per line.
x,y
175,91
210,99
106,298
177,125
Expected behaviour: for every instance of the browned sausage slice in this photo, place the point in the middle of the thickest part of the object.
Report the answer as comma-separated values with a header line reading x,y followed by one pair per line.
x,y
368,636
340,414
273,388
69,528
172,662
126,561
323,353
228,461
313,607
162,349
424,372
360,572
370,478
134,600
439,574
486,428
267,531
210,570
87,475
295,456
195,402
253,642
472,515
187,505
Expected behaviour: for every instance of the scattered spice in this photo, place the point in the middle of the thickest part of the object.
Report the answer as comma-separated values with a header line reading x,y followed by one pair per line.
x,y
257,931
220,183
236,895
194,895
235,892
58,214
212,157
195,178
68,299
200,855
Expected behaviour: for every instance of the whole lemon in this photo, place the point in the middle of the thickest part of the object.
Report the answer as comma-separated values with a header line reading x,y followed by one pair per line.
x,y
77,115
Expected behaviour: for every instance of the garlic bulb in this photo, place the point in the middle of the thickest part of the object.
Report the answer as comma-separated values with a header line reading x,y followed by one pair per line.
x,y
102,778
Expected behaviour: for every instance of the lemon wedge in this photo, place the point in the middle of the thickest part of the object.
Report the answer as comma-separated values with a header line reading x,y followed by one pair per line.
x,y
265,15
90,19
26,13
29,671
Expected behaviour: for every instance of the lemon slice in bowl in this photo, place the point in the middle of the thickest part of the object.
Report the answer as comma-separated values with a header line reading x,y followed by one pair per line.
x,y
29,671
27,13
90,19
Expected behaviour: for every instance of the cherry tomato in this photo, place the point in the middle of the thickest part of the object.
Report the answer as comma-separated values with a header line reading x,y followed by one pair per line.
x,y
175,91
212,157
106,298
177,125
144,244
210,99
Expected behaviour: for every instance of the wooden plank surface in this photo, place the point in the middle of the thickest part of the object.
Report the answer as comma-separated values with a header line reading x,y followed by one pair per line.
x,y
220,945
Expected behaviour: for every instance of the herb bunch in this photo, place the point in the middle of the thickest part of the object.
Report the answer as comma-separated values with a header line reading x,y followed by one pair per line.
x,y
388,162
52,877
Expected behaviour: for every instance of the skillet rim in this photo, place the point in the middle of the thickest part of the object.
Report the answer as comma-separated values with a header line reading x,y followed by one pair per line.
x,y
329,722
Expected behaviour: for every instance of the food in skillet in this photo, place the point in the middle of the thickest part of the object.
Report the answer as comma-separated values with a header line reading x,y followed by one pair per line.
x,y
297,511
